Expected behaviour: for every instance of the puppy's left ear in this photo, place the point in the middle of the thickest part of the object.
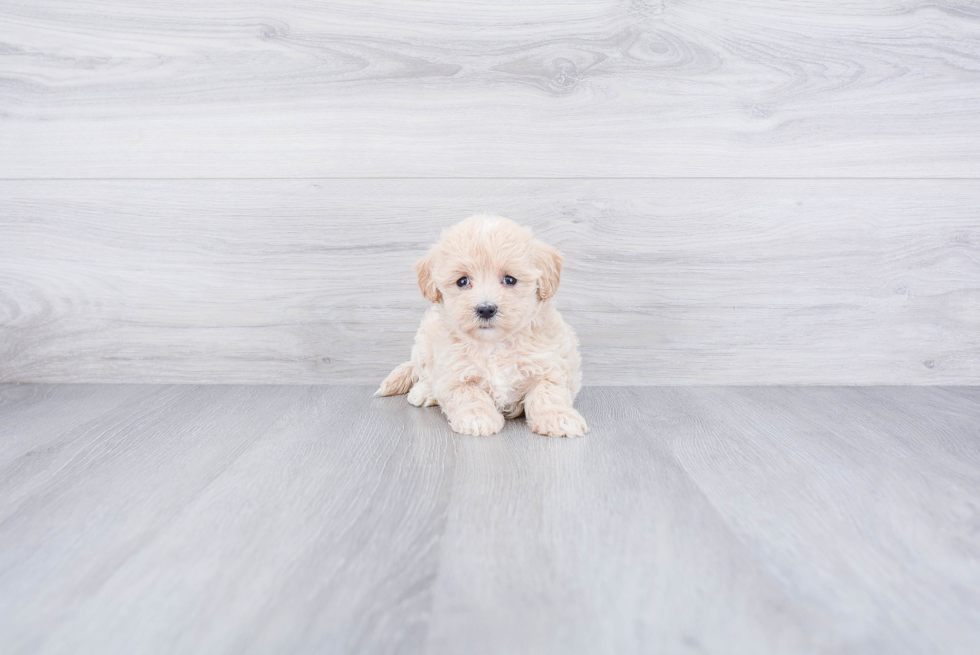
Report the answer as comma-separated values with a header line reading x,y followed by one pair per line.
x,y
549,261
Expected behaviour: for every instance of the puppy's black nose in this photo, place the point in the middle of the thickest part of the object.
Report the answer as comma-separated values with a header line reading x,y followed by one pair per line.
x,y
486,312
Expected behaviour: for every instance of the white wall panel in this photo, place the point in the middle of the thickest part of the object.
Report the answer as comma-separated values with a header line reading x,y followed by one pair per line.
x,y
667,281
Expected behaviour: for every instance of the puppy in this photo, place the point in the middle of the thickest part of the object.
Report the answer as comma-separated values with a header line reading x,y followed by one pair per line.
x,y
492,346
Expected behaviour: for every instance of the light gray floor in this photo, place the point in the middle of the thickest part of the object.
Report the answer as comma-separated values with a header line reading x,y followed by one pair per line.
x,y
219,519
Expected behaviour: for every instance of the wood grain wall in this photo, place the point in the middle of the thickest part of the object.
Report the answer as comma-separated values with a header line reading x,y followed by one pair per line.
x,y
759,192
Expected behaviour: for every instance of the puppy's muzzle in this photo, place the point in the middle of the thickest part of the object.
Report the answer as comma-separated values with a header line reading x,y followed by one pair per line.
x,y
486,311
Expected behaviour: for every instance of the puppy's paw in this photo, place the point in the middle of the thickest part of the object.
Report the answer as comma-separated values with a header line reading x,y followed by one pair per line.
x,y
421,395
478,422
513,411
559,423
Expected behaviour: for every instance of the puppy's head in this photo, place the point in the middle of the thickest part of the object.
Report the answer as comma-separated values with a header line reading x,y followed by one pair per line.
x,y
490,274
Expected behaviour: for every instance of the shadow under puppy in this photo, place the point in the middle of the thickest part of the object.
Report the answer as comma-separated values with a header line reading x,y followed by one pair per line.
x,y
492,345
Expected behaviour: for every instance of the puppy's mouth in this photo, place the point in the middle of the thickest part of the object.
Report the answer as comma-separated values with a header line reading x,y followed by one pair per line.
x,y
487,323
487,326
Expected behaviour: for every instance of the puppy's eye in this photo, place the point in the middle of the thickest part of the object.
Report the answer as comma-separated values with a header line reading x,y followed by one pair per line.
x,y
463,282
509,281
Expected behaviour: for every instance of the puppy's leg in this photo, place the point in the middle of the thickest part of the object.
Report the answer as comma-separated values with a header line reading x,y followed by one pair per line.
x,y
513,411
421,394
549,411
471,411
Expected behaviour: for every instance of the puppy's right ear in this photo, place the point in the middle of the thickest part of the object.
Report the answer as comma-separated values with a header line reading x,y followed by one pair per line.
x,y
426,283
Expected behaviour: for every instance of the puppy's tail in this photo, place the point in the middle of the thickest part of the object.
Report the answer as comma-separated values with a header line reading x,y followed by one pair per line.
x,y
398,381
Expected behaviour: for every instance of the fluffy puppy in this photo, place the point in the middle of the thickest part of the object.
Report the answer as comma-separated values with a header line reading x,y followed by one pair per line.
x,y
492,346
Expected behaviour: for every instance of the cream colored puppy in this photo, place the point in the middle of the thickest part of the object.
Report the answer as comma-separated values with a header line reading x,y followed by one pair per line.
x,y
492,345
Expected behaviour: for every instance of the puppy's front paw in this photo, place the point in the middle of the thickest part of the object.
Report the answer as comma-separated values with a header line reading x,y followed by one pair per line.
x,y
478,422
559,423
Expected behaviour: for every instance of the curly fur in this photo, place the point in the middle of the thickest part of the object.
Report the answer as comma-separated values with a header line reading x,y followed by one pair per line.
x,y
523,360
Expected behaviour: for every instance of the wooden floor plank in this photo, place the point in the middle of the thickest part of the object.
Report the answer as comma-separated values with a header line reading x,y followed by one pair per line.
x,y
601,545
66,531
666,281
853,498
305,538
35,419
322,519
290,88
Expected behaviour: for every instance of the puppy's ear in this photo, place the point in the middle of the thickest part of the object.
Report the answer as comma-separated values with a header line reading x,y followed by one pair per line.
x,y
550,262
426,283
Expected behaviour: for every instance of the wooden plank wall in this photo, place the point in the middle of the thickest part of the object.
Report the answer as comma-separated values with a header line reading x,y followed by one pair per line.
x,y
762,192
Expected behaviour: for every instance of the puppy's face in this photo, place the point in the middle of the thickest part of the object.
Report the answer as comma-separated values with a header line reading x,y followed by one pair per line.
x,y
490,275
